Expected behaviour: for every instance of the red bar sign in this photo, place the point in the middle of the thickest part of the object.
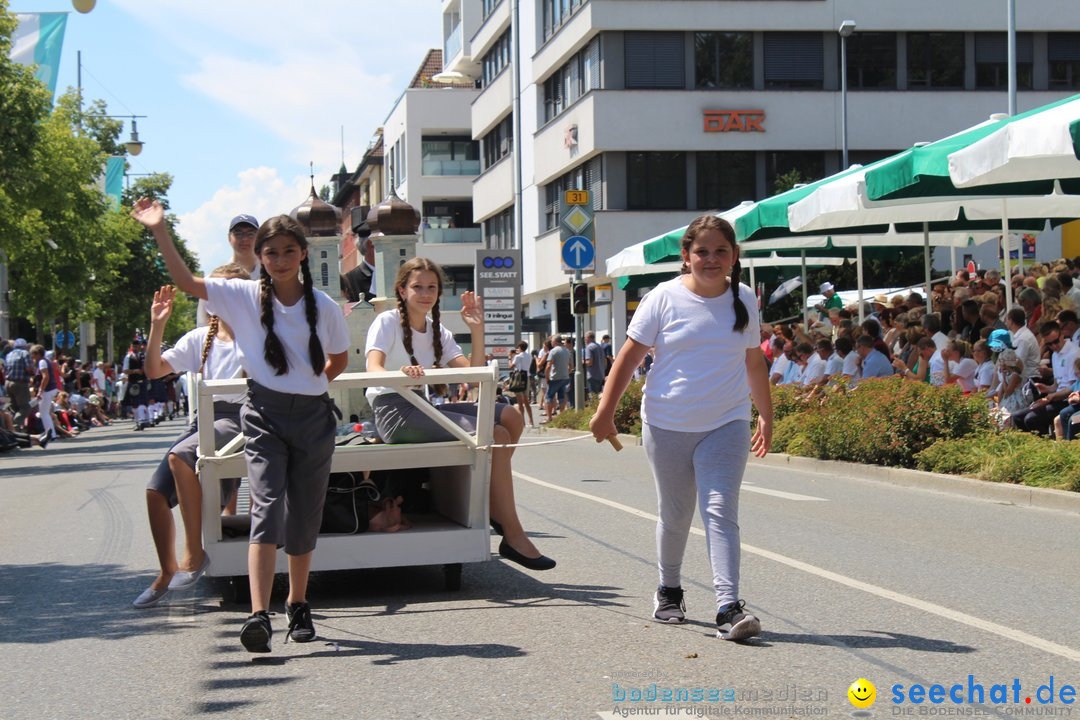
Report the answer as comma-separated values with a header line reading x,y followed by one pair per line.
x,y
734,121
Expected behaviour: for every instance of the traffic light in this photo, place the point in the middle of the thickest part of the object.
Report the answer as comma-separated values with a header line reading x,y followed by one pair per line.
x,y
579,298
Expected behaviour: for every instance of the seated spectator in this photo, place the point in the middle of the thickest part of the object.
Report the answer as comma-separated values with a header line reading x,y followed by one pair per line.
x,y
849,370
960,367
985,378
1008,395
1023,341
1064,427
1031,301
1040,414
919,367
872,362
1070,326
931,323
816,360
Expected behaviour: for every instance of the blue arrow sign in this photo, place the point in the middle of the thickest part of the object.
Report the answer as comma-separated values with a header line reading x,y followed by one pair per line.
x,y
578,252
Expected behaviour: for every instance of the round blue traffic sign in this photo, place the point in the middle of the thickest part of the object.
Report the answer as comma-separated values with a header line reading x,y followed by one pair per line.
x,y
578,252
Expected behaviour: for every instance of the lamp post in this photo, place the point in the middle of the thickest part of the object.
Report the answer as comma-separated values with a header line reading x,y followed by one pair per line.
x,y
133,144
847,27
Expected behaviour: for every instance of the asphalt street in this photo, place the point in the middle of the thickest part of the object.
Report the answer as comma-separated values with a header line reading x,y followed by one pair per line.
x,y
851,579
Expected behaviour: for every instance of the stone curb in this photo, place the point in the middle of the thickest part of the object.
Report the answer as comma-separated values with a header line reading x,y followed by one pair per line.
x,y
1021,495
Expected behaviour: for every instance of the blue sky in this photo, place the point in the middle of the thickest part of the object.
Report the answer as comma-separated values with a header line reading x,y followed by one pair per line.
x,y
241,94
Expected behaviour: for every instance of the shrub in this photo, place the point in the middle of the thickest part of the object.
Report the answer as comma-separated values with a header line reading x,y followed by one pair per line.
x,y
883,422
1011,457
627,413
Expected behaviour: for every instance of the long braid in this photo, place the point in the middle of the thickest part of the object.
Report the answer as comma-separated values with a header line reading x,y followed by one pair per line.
x,y
406,329
311,309
436,334
273,352
742,317
211,332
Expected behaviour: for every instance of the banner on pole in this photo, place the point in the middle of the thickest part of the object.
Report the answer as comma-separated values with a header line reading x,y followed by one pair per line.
x,y
39,40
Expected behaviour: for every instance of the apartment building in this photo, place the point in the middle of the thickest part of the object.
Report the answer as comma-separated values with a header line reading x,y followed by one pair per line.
x,y
668,109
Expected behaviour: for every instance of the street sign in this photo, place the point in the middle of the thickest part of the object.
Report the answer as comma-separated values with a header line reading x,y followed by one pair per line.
x,y
498,283
65,339
578,252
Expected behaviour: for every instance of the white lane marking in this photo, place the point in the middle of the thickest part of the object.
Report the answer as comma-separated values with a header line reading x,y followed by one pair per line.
x,y
781,494
929,607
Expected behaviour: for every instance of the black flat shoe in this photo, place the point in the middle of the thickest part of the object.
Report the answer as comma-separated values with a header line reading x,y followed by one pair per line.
x,y
541,563
496,526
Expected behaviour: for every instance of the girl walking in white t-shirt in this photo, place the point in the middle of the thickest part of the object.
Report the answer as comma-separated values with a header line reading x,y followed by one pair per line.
x,y
411,338
209,350
695,413
292,341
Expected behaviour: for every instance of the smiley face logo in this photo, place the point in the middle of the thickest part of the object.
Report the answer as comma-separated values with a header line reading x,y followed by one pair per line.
x,y
862,693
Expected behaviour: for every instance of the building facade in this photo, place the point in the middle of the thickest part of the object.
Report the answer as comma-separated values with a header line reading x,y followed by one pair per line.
x,y
665,110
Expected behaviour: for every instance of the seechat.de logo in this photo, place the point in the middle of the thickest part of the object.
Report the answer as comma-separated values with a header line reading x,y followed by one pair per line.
x,y
862,693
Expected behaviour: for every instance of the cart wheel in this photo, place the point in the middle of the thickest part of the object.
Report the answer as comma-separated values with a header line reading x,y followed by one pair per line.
x,y
234,590
452,574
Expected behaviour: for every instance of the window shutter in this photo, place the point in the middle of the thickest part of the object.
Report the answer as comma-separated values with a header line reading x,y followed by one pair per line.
x,y
655,60
794,57
1064,47
994,48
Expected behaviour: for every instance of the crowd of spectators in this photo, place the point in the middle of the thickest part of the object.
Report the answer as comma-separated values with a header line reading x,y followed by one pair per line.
x,y
79,395
1025,360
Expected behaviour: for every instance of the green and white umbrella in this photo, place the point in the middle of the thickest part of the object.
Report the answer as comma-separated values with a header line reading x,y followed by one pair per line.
x,y
1039,146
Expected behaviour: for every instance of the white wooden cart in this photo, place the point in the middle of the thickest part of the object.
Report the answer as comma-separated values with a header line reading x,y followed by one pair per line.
x,y
457,533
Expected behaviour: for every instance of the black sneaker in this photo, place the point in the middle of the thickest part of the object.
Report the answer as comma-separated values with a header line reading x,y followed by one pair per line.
x,y
668,605
255,637
301,629
734,623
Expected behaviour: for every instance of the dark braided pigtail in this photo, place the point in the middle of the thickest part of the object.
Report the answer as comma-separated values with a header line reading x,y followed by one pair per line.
x,y
273,352
311,309
211,331
436,334
742,317
406,329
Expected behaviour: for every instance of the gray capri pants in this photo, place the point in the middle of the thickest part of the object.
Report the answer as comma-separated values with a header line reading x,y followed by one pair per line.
x,y
290,446
226,427
399,421
707,466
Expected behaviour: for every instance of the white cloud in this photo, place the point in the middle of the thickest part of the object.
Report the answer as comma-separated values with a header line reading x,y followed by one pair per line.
x,y
258,191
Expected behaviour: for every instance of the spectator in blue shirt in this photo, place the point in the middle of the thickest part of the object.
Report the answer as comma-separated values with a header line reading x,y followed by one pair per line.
x,y
873,362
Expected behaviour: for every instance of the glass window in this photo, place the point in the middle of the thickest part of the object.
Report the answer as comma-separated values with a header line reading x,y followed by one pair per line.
x,y
499,231
579,75
794,60
656,180
497,58
655,60
489,7
725,179
871,60
992,60
449,155
498,143
723,60
935,60
809,165
556,13
1063,53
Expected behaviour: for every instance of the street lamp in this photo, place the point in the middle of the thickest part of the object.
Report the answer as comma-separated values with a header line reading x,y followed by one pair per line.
x,y
846,29
133,145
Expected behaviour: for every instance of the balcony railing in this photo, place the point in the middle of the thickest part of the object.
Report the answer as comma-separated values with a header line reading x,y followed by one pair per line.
x,y
452,235
452,45
451,167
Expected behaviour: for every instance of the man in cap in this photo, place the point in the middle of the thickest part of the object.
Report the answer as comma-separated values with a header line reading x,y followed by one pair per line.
x,y
242,229
832,300
18,372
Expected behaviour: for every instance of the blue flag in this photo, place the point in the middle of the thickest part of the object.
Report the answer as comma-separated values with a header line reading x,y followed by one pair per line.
x,y
38,40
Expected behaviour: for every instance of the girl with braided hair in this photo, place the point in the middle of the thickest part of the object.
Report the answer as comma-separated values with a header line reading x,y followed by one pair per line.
x,y
209,350
412,338
695,413
292,341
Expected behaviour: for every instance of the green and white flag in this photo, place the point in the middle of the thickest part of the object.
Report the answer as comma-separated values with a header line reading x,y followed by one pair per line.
x,y
38,40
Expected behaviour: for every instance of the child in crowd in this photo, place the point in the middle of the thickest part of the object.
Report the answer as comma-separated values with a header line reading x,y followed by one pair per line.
x,y
209,350
1009,390
292,341
411,338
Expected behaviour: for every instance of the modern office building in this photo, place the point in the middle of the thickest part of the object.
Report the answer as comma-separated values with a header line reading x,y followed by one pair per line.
x,y
664,110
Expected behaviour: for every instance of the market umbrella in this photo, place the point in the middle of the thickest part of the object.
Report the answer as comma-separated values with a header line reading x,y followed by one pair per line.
x,y
1038,146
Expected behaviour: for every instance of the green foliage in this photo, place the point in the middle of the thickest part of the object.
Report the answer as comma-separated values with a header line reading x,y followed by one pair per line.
x,y
1010,457
627,413
882,422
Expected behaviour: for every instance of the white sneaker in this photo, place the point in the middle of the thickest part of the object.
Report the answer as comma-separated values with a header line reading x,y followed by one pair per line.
x,y
733,623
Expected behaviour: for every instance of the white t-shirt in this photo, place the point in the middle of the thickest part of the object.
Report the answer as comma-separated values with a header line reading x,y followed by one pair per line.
x,y
522,361
834,365
780,367
698,380
964,370
221,364
814,370
937,369
851,365
1063,362
237,303
202,315
1027,349
984,375
97,380
385,336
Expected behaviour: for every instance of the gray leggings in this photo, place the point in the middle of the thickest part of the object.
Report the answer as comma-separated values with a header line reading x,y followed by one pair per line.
x,y
709,464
